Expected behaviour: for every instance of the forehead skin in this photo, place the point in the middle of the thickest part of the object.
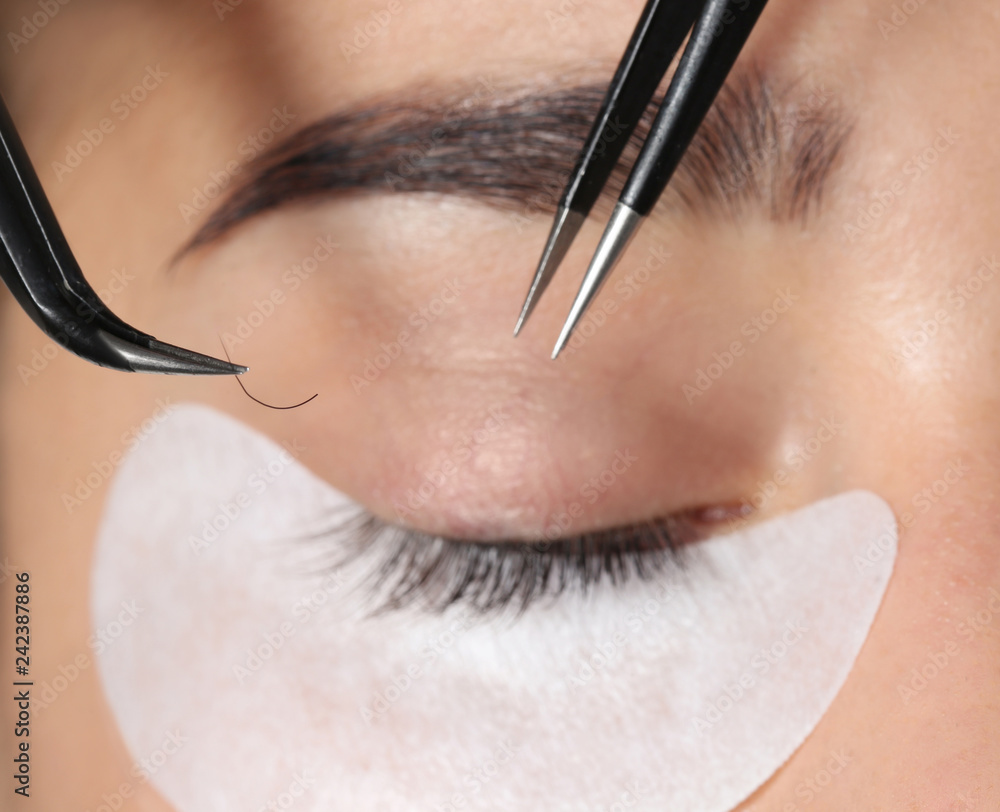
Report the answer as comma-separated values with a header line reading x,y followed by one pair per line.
x,y
889,335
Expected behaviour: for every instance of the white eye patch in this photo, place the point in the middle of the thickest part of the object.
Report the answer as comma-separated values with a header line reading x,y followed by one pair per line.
x,y
275,691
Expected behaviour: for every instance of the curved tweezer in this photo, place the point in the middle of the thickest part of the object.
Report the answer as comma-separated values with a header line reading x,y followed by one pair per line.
x,y
721,29
38,267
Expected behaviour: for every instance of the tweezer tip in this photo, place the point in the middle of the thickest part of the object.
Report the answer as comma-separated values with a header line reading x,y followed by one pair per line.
x,y
567,331
564,230
166,359
520,321
615,240
195,363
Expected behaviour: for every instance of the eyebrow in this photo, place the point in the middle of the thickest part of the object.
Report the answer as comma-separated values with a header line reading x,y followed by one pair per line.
x,y
759,149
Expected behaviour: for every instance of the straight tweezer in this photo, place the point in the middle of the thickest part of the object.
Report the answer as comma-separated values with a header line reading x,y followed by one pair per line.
x,y
38,267
721,29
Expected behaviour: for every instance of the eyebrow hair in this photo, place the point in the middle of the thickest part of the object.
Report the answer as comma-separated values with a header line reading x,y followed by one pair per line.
x,y
758,149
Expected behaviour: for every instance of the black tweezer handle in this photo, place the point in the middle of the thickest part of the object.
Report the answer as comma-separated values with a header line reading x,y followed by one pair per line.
x,y
662,28
32,239
716,41
39,268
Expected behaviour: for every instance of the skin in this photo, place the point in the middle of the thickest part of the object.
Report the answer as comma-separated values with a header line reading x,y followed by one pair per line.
x,y
905,425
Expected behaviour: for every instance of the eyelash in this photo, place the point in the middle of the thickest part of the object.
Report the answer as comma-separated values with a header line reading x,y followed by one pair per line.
x,y
410,568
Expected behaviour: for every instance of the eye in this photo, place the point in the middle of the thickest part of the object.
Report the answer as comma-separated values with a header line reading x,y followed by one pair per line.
x,y
404,567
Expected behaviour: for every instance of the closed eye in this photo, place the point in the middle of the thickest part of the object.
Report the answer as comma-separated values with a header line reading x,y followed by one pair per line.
x,y
404,567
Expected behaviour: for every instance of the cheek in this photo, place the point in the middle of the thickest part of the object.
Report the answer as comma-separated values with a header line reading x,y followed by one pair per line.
x,y
232,660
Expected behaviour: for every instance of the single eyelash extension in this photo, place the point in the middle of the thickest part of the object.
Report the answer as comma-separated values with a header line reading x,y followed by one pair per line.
x,y
410,568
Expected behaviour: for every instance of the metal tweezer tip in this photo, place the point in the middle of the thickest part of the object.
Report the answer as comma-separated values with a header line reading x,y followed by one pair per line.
x,y
564,231
166,359
617,236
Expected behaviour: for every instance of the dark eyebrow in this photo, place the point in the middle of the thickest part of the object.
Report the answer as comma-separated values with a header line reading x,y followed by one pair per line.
x,y
514,148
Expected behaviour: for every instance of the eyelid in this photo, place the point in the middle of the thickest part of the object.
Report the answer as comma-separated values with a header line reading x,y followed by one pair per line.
x,y
407,568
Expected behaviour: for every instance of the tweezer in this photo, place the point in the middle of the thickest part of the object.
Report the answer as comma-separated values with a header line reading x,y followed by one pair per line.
x,y
38,267
720,32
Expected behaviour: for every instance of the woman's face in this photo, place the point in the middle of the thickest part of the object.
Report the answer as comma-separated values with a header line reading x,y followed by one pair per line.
x,y
843,276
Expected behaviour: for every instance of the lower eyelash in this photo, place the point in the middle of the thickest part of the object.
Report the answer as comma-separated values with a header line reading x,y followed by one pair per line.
x,y
409,568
